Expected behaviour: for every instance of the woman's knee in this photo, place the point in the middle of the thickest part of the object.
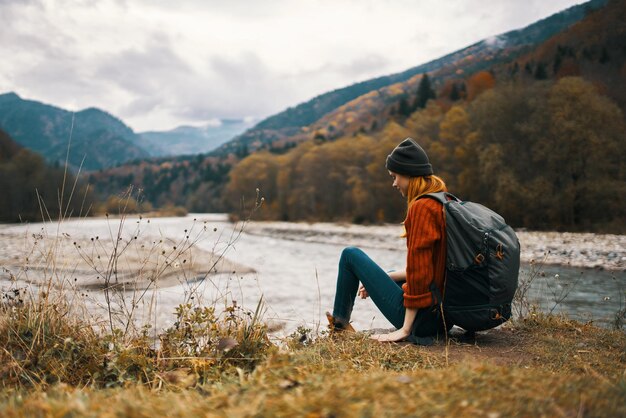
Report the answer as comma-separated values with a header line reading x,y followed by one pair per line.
x,y
349,253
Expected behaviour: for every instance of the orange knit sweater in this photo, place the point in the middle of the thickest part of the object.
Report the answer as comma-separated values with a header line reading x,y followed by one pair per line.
x,y
426,255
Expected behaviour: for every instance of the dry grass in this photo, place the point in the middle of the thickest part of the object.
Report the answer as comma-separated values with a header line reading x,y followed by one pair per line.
x,y
543,366
42,343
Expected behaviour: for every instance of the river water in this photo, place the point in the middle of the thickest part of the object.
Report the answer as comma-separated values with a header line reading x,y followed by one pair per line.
x,y
295,271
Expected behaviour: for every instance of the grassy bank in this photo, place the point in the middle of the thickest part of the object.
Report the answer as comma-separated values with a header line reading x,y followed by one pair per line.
x,y
223,364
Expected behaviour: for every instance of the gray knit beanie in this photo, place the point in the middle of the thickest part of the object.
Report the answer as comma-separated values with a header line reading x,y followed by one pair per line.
x,y
409,159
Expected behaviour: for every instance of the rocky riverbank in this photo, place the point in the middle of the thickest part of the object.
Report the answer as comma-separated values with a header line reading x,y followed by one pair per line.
x,y
586,250
603,251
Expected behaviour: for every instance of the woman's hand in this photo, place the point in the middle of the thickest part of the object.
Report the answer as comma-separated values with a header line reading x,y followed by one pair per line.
x,y
362,292
392,337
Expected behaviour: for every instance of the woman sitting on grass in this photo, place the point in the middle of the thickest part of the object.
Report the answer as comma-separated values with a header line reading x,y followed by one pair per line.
x,y
407,298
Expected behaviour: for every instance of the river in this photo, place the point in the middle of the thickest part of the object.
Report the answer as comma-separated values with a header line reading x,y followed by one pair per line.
x,y
294,269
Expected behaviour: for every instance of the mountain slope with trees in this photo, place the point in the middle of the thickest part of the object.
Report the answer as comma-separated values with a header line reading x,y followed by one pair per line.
x,y
545,155
279,127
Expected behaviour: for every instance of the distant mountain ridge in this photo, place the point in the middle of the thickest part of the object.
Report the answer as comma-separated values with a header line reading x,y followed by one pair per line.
x,y
289,122
189,140
98,139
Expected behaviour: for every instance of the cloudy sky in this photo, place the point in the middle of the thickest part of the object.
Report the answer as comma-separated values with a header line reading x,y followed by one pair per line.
x,y
158,64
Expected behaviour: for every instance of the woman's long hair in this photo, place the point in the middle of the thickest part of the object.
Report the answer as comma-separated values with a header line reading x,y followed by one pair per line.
x,y
422,185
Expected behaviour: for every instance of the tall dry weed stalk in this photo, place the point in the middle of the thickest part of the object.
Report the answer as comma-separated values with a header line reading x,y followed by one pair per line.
x,y
522,305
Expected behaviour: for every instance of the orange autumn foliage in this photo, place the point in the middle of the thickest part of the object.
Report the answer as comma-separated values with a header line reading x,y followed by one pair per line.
x,y
479,83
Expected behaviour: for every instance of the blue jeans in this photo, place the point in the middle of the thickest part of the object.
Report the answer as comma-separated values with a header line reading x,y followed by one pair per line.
x,y
354,267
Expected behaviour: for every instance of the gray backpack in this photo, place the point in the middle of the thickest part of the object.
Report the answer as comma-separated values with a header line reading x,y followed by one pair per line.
x,y
482,265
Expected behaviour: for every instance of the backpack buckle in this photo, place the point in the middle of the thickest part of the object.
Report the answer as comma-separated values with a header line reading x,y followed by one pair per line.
x,y
494,314
499,252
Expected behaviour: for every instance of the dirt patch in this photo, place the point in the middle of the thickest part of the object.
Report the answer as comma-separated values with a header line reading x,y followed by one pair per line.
x,y
501,346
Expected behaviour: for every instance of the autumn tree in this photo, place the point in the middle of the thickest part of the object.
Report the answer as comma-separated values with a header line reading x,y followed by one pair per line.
x,y
504,167
581,145
33,190
257,171
478,83
425,92
457,147
550,155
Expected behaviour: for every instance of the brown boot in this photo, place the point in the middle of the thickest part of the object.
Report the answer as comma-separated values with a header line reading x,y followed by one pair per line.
x,y
338,326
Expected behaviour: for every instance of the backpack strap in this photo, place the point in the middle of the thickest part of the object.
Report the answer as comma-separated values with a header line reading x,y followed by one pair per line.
x,y
441,197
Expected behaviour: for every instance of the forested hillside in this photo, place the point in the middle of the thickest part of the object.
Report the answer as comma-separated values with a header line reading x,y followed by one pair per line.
x,y
536,133
196,183
32,190
545,155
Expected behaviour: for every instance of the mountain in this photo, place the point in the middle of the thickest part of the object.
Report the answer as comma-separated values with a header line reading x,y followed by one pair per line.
x,y
189,140
468,60
98,139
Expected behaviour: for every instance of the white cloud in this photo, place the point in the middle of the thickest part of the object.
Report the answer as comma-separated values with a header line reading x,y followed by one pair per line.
x,y
157,63
495,42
